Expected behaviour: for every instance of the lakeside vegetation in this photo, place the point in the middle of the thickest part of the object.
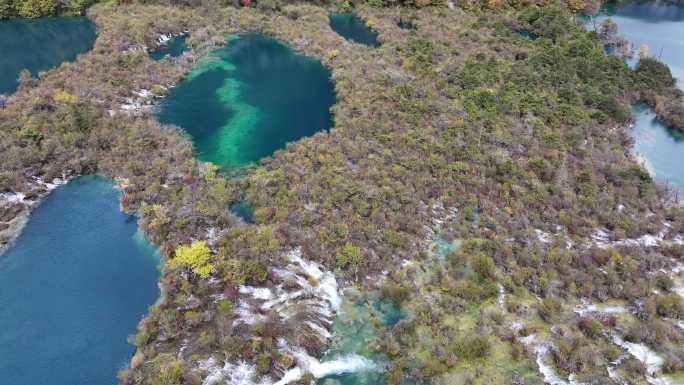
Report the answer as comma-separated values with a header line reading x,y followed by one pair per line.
x,y
32,9
461,113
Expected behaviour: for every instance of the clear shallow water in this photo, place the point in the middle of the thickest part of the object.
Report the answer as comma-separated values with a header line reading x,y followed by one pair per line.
x,y
351,27
662,147
175,47
72,289
244,211
40,45
249,99
356,325
657,24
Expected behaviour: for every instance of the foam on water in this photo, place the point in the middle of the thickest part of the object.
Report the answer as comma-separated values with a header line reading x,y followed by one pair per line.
x,y
351,363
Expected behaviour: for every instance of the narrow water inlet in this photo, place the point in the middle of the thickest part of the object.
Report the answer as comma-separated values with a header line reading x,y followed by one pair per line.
x,y
172,47
352,28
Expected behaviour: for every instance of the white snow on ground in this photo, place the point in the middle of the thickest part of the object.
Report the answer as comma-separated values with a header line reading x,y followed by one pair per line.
x,y
501,299
143,93
612,374
12,197
642,353
586,308
543,236
142,102
651,360
548,372
262,293
440,216
601,239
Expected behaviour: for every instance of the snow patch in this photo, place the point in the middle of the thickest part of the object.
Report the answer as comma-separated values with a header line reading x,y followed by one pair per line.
x,y
13,197
501,299
651,360
543,236
586,308
548,372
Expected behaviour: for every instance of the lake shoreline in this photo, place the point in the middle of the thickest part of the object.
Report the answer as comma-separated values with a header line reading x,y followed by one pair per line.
x,y
85,268
17,222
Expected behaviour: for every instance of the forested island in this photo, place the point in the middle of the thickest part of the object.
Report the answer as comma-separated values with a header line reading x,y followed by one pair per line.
x,y
360,192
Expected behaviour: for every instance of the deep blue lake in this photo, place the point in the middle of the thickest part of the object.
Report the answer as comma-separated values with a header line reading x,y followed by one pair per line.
x,y
40,45
73,288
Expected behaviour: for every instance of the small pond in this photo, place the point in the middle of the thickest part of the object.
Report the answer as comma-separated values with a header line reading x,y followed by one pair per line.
x,y
173,47
40,45
244,211
352,28
659,25
249,99
73,288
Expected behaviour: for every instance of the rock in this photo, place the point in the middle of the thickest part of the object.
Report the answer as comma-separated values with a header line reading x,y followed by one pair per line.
x,y
10,212
192,303
521,56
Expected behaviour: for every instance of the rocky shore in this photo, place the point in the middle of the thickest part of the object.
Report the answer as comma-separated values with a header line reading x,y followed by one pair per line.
x,y
15,207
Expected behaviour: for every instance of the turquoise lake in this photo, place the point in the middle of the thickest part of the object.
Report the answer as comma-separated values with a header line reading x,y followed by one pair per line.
x,y
73,288
352,28
175,47
662,147
249,99
40,45
659,25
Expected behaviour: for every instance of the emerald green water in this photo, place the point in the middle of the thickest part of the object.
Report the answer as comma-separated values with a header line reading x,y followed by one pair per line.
x,y
249,99
175,47
73,288
354,330
40,45
352,28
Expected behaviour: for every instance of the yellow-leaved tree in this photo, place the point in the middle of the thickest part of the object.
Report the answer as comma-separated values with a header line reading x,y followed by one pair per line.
x,y
196,257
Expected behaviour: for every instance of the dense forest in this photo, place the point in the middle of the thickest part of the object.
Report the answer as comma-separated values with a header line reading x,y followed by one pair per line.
x,y
464,128
41,8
